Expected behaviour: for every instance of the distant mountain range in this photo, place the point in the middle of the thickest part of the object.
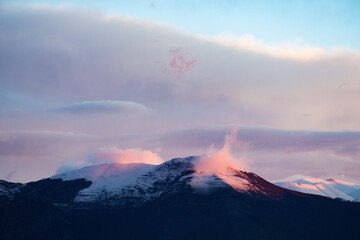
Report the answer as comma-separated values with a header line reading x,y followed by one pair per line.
x,y
173,200
331,187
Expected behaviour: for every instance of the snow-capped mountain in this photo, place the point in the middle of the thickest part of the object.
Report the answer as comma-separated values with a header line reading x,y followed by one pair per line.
x,y
332,188
134,184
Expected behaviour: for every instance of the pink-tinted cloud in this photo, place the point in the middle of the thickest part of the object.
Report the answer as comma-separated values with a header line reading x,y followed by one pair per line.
x,y
39,154
179,63
124,156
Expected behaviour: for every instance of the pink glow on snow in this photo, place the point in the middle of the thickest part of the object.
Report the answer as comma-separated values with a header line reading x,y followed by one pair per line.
x,y
179,63
236,183
329,181
316,180
305,186
320,186
333,181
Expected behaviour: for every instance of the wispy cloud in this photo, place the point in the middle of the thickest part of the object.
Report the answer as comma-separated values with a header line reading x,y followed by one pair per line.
x,y
10,175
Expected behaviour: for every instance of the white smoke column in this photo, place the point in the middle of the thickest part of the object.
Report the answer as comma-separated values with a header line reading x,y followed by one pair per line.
x,y
219,161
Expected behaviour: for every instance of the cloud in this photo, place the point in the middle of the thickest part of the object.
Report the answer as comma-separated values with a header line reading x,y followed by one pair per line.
x,y
124,156
38,154
113,155
103,107
37,143
10,175
55,56
70,167
106,57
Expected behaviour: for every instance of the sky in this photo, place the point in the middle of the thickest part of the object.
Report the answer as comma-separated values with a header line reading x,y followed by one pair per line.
x,y
86,82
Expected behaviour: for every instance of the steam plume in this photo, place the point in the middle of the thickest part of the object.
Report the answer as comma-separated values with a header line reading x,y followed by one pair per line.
x,y
219,161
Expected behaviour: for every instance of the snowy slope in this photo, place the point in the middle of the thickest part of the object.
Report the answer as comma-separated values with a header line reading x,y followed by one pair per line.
x,y
128,183
7,189
238,180
107,179
332,188
355,194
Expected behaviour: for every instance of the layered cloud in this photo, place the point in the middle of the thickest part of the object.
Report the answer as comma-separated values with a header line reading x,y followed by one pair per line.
x,y
269,139
75,55
37,143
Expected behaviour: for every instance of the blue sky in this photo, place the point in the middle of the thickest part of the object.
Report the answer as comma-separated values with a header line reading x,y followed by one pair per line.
x,y
322,23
